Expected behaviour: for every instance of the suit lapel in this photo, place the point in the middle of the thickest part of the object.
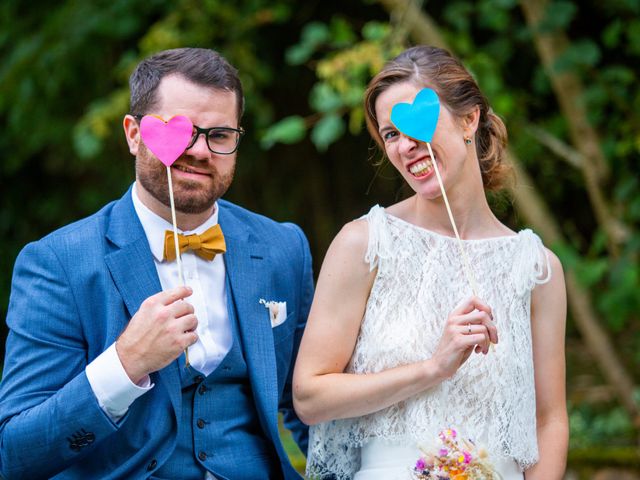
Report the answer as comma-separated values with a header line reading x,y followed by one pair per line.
x,y
135,275
246,268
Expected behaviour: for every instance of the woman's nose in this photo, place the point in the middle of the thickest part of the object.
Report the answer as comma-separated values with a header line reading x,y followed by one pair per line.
x,y
406,144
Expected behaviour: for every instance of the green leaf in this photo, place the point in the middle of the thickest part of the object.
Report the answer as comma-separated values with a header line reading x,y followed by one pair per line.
x,y
375,30
632,5
315,33
567,255
327,131
356,120
342,34
289,130
589,272
599,243
580,54
354,95
618,74
458,14
612,34
596,98
506,4
323,98
540,81
504,104
298,54
86,144
634,208
493,16
558,16
627,188
633,37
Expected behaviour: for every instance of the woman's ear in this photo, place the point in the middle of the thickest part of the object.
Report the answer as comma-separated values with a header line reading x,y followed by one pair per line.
x,y
470,122
131,133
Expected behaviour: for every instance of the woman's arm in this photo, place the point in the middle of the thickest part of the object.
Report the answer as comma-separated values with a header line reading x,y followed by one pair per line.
x,y
321,389
548,318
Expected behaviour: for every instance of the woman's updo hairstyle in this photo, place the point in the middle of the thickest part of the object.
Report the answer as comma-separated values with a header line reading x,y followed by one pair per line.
x,y
438,69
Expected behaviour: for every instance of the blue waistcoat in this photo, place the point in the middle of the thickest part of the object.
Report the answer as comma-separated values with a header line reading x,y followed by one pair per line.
x,y
219,430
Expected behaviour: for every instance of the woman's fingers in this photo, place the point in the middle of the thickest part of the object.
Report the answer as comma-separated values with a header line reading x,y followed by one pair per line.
x,y
470,304
476,337
468,329
477,317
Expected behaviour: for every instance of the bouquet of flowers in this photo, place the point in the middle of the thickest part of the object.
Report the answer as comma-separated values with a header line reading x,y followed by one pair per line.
x,y
454,460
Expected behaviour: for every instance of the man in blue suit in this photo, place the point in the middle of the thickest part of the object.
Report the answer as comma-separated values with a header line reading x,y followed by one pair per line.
x,y
95,384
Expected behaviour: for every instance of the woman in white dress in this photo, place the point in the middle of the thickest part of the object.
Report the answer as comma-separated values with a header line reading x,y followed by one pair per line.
x,y
397,348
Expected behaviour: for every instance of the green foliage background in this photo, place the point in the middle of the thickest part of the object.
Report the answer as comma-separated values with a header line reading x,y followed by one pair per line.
x,y
307,157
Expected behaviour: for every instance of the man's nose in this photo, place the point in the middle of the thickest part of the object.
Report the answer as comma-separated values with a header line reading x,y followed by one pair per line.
x,y
199,149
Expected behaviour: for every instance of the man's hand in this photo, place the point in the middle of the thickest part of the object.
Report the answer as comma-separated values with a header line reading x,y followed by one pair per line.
x,y
158,333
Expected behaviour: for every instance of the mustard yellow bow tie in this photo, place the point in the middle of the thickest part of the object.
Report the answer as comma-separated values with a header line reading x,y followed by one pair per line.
x,y
206,245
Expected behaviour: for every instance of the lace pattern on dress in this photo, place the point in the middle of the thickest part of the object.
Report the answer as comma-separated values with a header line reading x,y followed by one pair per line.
x,y
419,280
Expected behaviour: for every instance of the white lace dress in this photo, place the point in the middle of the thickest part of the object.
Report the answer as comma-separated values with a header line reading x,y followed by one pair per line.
x,y
491,399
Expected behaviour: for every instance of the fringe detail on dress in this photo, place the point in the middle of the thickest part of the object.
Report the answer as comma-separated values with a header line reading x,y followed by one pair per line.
x,y
531,265
380,243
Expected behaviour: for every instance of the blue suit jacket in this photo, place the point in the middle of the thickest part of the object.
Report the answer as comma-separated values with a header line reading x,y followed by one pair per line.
x,y
73,293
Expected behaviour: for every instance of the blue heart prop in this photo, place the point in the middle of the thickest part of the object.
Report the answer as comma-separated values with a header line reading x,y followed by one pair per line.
x,y
418,120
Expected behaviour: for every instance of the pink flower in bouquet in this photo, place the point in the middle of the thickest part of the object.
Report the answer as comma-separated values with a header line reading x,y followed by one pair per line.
x,y
454,461
447,434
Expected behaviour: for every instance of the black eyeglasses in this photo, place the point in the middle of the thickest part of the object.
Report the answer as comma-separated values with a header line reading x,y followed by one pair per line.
x,y
220,140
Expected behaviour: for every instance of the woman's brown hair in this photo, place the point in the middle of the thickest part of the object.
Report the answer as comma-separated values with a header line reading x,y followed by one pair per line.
x,y
459,91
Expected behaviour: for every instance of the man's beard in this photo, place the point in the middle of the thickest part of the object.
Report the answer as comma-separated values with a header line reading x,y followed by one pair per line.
x,y
189,197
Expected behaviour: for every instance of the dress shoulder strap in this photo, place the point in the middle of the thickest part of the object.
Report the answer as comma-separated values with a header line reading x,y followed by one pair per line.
x,y
531,265
380,245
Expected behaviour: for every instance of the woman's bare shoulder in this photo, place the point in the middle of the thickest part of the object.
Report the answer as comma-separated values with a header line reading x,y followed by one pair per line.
x,y
352,240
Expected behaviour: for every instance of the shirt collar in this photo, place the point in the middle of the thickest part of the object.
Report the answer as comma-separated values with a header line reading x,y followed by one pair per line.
x,y
155,226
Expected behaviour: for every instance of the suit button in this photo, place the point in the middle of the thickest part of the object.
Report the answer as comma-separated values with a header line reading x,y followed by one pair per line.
x,y
198,378
80,439
200,423
152,464
202,389
202,456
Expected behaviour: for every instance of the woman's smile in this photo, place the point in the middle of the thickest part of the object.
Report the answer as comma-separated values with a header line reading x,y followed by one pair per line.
x,y
421,168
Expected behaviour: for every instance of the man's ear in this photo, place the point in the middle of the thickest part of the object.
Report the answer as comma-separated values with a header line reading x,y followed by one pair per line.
x,y
132,133
470,122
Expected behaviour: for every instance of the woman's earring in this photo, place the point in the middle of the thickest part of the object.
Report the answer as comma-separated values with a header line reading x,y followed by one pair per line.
x,y
467,140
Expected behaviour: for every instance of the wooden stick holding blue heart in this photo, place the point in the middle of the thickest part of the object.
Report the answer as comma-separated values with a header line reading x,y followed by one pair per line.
x,y
167,141
426,108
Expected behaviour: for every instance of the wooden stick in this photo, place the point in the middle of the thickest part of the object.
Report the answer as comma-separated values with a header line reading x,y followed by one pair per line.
x,y
175,244
465,259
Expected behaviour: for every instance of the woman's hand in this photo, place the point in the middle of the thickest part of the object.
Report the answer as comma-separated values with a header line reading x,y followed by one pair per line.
x,y
469,327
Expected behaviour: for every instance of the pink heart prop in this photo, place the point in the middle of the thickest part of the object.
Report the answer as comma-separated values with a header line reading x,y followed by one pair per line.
x,y
166,140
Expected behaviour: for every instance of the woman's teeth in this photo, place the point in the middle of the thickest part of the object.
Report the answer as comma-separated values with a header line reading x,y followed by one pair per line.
x,y
420,169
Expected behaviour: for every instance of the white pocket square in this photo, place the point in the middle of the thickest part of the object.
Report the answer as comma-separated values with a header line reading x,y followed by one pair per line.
x,y
277,311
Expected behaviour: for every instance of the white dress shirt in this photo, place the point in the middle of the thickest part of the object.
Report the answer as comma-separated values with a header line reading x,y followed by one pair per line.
x,y
110,383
